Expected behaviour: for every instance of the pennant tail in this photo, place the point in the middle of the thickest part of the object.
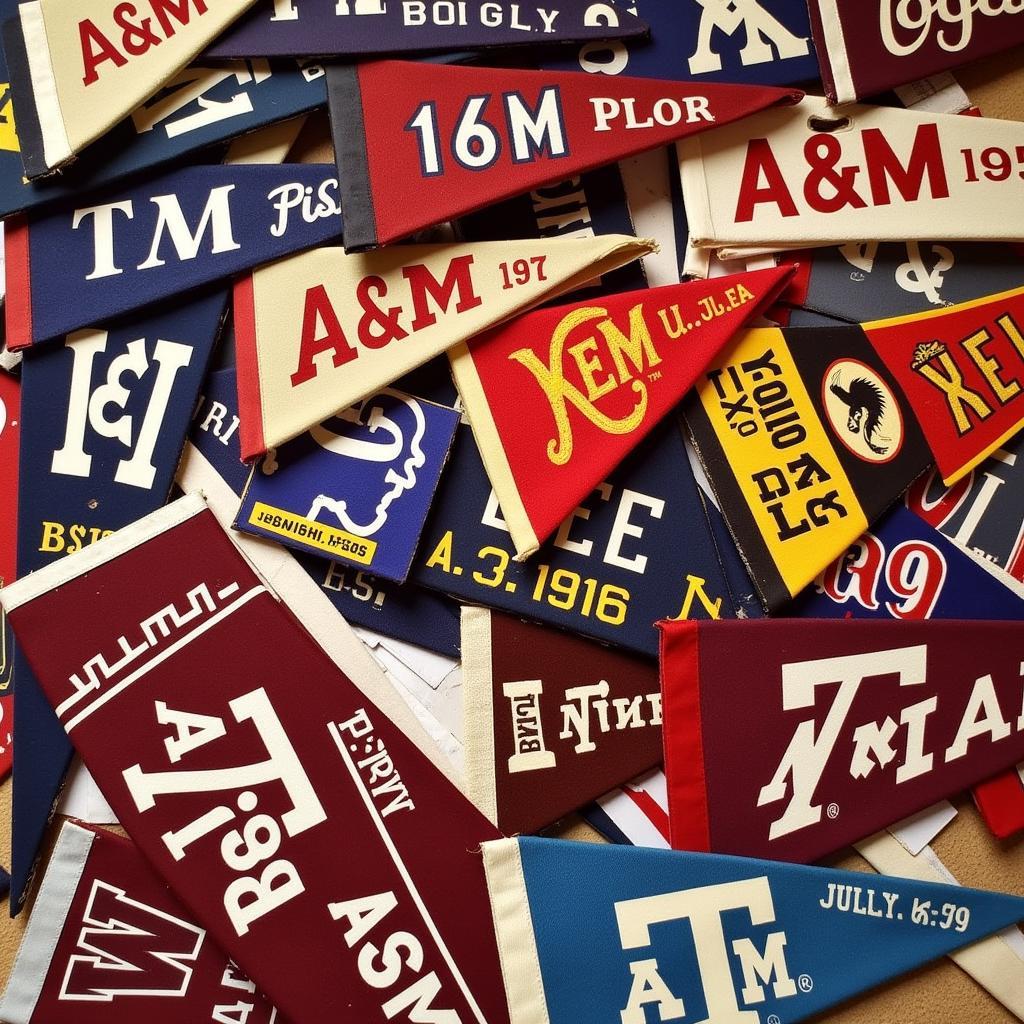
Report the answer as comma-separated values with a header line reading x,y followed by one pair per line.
x,y
492,451
1001,802
18,301
250,401
358,218
513,927
478,710
689,822
830,44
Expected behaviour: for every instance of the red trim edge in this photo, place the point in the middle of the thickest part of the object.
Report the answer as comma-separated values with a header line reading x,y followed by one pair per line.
x,y
18,301
250,405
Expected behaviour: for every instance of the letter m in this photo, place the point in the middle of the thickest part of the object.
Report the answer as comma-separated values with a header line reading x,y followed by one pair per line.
x,y
177,9
126,948
216,217
763,30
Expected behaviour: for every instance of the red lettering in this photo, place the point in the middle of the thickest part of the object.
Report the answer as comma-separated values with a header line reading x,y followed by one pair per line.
x,y
935,511
423,285
96,49
864,568
915,574
318,309
884,166
178,9
761,160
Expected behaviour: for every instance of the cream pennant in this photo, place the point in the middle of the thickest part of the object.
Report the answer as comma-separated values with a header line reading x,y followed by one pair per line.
x,y
811,175
78,67
320,331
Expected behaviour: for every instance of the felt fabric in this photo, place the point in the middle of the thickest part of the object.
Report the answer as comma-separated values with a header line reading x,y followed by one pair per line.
x,y
559,397
587,932
767,756
107,941
811,175
242,783
319,332
10,432
864,56
418,144
551,720
361,28
78,67
135,245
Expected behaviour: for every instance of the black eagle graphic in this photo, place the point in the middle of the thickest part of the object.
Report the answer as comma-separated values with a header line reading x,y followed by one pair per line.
x,y
866,403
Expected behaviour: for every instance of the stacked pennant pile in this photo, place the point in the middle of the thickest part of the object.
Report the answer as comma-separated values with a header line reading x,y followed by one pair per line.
x,y
423,421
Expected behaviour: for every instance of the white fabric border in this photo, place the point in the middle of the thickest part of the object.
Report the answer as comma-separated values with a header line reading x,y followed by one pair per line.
x,y
478,710
56,145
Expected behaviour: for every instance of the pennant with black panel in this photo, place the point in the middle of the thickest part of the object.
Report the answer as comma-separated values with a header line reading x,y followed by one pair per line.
x,y
106,417
78,67
811,175
418,144
108,942
790,739
365,28
615,933
135,245
241,769
635,550
559,397
864,56
10,433
320,332
358,486
765,42
551,720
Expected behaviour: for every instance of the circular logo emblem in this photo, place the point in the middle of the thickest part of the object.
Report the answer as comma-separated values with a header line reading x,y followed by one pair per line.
x,y
862,411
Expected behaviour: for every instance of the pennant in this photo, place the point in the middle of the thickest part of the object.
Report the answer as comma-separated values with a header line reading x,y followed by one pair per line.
x,y
409,613
765,42
551,721
418,144
78,68
864,56
107,941
790,739
107,414
242,784
635,550
358,486
809,175
364,28
315,334
557,398
593,203
591,932
10,431
136,245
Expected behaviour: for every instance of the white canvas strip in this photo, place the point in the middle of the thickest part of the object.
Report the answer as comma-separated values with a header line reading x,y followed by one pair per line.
x,y
838,58
478,710
56,145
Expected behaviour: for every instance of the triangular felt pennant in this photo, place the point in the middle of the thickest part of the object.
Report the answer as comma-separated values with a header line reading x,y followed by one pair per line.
x,y
762,43
317,333
811,175
790,739
610,933
358,486
902,568
551,721
637,549
558,398
135,245
1001,802
79,66
108,942
10,432
418,144
365,28
249,768
106,417
864,56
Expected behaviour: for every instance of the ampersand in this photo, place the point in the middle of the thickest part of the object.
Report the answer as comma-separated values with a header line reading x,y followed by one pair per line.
x,y
134,30
822,153
367,291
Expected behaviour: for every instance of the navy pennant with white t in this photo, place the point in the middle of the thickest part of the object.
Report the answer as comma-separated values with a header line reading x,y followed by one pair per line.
x,y
138,244
617,933
104,419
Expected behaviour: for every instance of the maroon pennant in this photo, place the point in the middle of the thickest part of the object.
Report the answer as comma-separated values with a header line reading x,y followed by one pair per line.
x,y
790,739
552,721
323,852
107,942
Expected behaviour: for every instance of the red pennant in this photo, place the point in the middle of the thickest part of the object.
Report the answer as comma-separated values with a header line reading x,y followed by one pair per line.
x,y
791,739
1001,802
292,818
421,143
552,721
108,943
559,397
